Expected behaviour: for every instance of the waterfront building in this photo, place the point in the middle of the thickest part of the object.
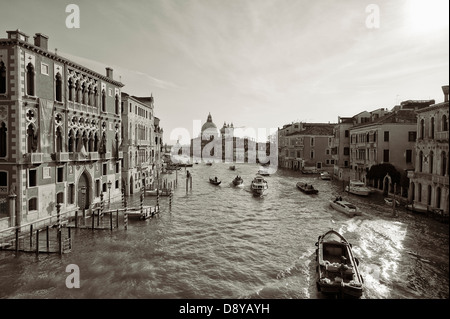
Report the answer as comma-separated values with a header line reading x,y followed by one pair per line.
x,y
303,146
385,137
222,145
60,132
340,150
141,143
429,182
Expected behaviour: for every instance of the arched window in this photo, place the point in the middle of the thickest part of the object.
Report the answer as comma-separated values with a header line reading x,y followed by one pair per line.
x,y
422,128
429,195
89,94
2,78
431,156
444,123
59,139
83,94
31,139
419,193
71,88
117,104
95,97
71,141
103,101
77,91
96,143
58,88
443,163
3,139
420,161
30,79
32,204
432,128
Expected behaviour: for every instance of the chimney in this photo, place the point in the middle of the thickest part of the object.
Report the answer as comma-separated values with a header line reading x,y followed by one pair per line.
x,y
41,40
17,35
109,73
445,90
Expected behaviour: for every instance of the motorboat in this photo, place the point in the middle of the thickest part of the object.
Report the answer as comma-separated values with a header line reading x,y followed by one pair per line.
x,y
345,207
325,176
259,186
307,188
238,181
337,268
358,188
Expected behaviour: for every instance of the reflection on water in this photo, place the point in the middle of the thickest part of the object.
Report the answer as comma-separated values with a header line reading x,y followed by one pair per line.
x,y
222,242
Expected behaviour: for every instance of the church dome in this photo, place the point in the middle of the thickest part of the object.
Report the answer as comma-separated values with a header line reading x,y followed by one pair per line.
x,y
209,124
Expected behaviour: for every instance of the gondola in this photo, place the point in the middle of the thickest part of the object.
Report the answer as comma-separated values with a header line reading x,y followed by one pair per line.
x,y
214,181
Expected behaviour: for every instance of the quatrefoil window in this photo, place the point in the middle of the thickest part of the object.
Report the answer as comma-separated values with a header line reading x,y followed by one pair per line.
x,y
31,115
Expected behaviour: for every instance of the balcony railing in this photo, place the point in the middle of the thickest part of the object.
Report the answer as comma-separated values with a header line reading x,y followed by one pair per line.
x,y
442,136
62,157
440,180
34,158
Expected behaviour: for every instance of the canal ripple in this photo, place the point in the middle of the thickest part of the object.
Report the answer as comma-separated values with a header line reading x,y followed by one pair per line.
x,y
221,242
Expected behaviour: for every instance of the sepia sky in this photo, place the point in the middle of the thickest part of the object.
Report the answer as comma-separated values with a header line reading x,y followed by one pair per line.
x,y
256,63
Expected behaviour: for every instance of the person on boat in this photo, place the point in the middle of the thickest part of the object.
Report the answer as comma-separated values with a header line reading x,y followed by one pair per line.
x,y
188,174
215,178
340,198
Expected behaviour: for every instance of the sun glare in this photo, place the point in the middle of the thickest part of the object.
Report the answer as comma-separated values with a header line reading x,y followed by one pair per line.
x,y
427,16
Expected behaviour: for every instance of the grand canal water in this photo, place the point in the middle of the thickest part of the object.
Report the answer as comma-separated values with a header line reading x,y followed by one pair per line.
x,y
221,242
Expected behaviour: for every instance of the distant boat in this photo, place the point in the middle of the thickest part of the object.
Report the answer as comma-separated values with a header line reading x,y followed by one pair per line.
x,y
357,188
325,176
390,201
232,167
209,163
238,181
215,181
263,172
307,188
345,207
161,192
259,186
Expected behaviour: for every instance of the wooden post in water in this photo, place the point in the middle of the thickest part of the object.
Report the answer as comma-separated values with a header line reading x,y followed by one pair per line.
x,y
76,219
31,236
117,219
110,220
93,218
70,238
157,197
125,220
37,242
394,213
17,239
47,238
142,201
58,234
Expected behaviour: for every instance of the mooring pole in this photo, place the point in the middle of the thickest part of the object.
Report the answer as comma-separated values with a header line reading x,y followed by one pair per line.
x,y
58,234
31,236
47,239
37,242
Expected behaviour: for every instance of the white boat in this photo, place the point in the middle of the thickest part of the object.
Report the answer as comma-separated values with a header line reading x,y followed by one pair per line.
x,y
357,188
160,192
345,207
259,186
325,176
